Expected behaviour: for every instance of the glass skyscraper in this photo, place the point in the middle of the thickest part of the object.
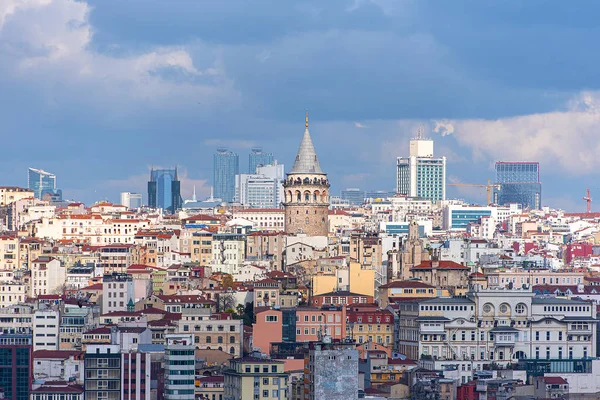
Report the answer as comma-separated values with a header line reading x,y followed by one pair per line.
x,y
41,182
257,158
354,196
420,174
226,167
519,183
164,190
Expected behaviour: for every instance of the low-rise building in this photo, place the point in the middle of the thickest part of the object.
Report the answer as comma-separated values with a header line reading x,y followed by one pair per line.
x,y
250,377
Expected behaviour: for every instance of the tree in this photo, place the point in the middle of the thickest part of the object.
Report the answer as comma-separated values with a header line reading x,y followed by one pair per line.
x,y
225,301
227,281
249,314
239,310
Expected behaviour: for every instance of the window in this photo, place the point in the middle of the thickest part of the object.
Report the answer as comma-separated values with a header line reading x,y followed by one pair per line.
x,y
271,318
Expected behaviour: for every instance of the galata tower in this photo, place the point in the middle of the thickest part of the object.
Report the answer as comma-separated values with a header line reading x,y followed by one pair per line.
x,y
306,192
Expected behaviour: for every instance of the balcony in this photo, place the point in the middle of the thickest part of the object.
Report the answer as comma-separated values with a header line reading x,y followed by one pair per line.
x,y
504,340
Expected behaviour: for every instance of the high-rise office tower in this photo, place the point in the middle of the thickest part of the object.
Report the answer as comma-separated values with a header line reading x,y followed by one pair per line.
x,y
164,190
519,183
16,362
103,363
263,189
41,182
226,167
180,366
353,196
420,174
258,158
131,200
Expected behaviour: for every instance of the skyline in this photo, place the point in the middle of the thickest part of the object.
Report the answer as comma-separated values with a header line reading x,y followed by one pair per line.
x,y
370,72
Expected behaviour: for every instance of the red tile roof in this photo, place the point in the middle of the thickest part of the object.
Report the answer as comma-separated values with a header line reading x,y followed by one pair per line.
x,y
406,284
444,264
555,380
57,354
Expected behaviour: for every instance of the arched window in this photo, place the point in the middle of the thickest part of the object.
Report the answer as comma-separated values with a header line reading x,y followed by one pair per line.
x,y
220,339
231,339
298,196
232,350
208,339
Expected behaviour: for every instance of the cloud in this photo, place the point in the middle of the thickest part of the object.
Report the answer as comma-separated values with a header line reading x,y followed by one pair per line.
x,y
565,141
51,41
357,179
359,125
443,127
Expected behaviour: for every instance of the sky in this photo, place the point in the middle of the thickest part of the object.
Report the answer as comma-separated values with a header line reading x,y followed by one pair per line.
x,y
99,91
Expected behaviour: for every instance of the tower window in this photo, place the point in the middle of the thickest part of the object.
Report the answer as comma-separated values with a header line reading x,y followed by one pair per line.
x,y
307,221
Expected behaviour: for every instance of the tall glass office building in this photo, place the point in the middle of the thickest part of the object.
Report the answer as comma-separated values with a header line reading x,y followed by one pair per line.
x,y
353,196
226,166
41,182
420,174
519,183
164,190
257,158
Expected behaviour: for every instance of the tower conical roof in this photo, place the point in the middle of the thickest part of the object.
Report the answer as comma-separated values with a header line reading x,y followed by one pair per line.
x,y
306,159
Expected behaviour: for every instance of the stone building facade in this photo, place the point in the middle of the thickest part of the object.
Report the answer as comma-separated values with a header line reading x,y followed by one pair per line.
x,y
306,192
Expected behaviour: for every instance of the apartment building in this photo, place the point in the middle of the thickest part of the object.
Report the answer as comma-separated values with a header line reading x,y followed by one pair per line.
x,y
250,378
503,326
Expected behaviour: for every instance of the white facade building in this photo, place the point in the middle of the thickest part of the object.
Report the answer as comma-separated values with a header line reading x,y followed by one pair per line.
x,y
502,326
131,200
45,330
47,276
117,292
420,174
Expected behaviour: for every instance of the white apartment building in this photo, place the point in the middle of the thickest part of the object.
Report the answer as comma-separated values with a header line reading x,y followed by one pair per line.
x,y
46,326
503,326
9,252
228,252
117,292
266,219
48,276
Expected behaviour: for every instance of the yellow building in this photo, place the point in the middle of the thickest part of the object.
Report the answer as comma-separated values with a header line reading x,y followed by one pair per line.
x,y
356,279
362,279
249,376
368,324
403,290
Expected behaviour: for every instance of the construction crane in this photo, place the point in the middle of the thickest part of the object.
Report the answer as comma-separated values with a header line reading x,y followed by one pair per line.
x,y
489,187
588,200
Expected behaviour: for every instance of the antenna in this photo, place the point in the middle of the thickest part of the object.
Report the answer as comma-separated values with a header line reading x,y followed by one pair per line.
x,y
306,123
420,133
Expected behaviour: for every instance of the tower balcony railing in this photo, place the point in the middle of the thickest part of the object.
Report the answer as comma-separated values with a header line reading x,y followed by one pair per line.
x,y
306,182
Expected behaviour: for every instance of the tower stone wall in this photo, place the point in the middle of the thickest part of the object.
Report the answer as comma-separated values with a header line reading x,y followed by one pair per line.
x,y
306,193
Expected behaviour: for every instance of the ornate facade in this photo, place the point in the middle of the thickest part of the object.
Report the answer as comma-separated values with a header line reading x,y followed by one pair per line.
x,y
306,192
